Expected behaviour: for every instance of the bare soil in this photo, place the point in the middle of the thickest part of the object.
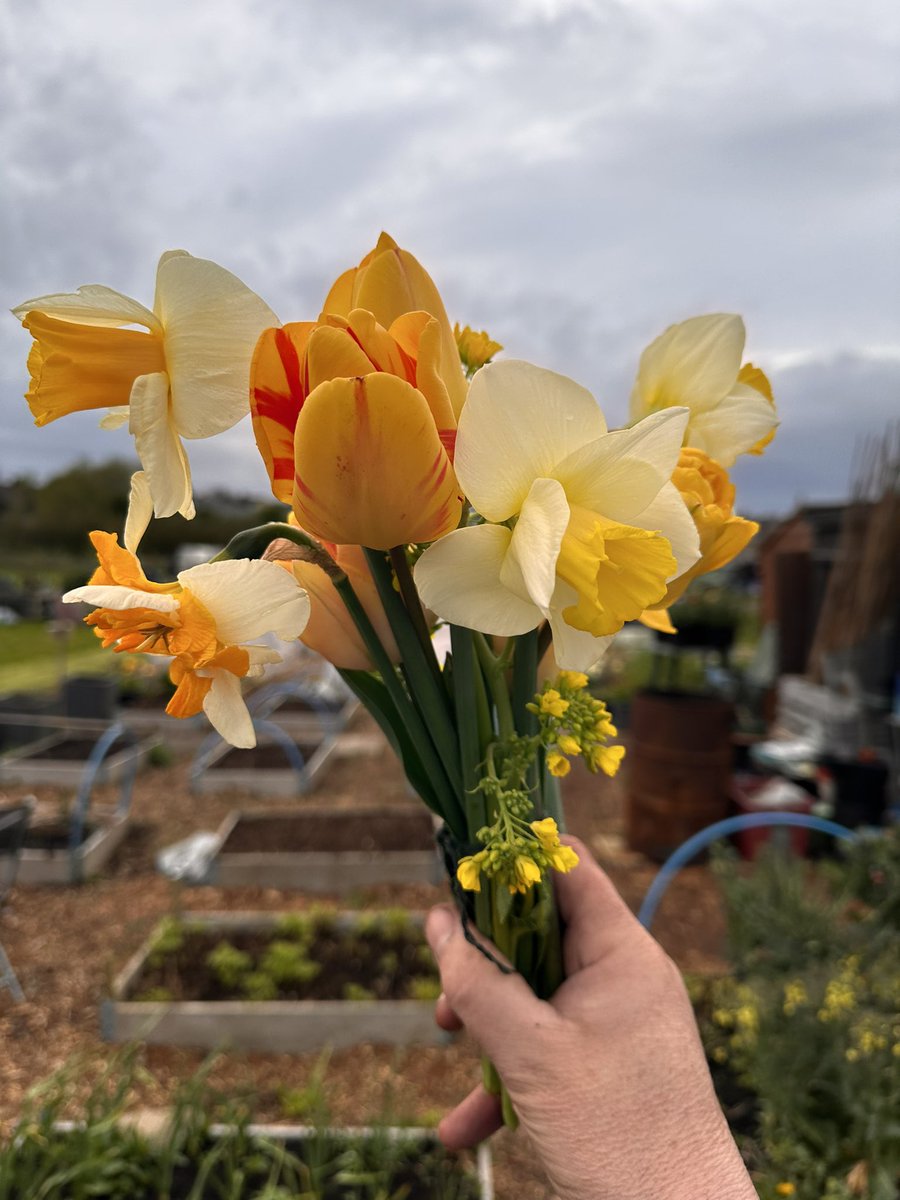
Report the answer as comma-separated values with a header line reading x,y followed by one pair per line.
x,y
331,832
265,757
67,943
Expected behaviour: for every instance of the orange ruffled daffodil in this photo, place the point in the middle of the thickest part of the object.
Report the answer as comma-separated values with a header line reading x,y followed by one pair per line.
x,y
583,527
206,621
184,374
697,364
709,495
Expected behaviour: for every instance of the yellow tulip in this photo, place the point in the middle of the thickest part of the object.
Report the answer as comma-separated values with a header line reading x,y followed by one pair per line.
x,y
290,362
369,465
388,283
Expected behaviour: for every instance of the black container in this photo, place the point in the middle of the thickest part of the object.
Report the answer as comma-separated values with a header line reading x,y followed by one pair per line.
x,y
860,790
91,696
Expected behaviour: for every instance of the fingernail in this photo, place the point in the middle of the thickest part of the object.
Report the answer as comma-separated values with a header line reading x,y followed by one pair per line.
x,y
440,925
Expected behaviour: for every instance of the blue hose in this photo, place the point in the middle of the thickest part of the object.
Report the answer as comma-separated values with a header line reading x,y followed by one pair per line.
x,y
720,829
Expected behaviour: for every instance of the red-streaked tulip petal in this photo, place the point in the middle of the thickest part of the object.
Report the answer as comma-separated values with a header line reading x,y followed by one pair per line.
x,y
370,467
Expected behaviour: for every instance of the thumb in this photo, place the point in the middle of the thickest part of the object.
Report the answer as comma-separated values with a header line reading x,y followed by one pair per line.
x,y
500,1011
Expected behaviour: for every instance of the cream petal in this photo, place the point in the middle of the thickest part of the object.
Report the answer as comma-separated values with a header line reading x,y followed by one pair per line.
x,y
734,426
573,649
249,598
669,515
695,363
211,324
158,446
119,598
518,422
529,568
115,418
92,304
458,578
140,510
619,474
224,706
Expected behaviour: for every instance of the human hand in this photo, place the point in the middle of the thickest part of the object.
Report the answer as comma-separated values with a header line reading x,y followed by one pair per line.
x,y
608,1078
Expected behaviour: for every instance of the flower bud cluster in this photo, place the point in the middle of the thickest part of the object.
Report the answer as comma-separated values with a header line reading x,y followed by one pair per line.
x,y
475,348
516,854
574,723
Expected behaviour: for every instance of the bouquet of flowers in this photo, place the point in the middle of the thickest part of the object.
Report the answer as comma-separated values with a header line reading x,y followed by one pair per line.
x,y
424,486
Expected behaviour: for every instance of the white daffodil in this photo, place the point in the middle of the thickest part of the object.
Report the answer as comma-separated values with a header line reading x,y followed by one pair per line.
x,y
697,364
206,621
187,376
583,526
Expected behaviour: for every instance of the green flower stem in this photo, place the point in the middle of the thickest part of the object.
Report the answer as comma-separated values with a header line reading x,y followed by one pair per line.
x,y
414,609
409,713
524,681
427,691
496,681
553,800
482,711
464,668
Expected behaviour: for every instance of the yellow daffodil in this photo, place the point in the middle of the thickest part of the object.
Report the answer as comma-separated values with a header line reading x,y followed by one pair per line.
x,y
584,528
330,630
697,364
185,377
388,283
205,621
709,495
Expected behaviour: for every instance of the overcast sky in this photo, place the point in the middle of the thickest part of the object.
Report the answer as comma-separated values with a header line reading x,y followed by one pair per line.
x,y
575,175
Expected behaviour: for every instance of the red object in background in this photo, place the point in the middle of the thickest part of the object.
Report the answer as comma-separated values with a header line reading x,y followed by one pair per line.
x,y
755,794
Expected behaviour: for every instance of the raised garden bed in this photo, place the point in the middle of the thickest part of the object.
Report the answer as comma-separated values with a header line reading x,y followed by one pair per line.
x,y
59,760
301,719
264,770
146,717
47,857
290,983
325,849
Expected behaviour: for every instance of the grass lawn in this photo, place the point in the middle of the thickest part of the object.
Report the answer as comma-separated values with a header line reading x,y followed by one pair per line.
x,y
33,659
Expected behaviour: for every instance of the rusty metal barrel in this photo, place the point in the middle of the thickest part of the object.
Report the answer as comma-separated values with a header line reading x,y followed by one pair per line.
x,y
679,768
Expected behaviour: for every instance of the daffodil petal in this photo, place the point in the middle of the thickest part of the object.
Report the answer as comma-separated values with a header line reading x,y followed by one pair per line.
x,y
140,510
668,514
211,324
248,598
573,649
529,568
518,423
224,706
619,474
370,467
92,304
119,598
695,363
459,579
734,426
115,418
159,447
